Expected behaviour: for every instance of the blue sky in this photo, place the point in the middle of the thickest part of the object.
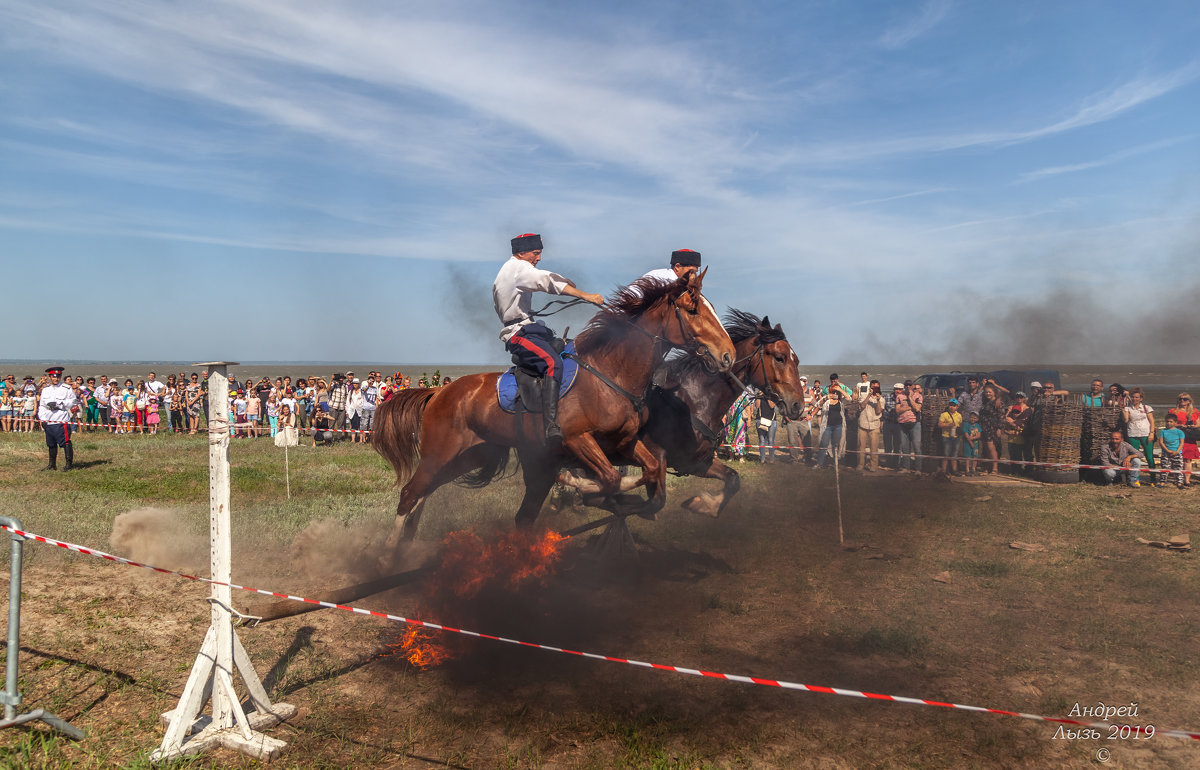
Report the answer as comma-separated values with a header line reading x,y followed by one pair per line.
x,y
894,182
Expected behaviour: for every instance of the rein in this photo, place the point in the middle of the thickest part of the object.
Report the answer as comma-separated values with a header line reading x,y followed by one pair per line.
x,y
637,401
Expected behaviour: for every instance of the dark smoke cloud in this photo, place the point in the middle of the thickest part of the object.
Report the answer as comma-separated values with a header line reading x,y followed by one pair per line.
x,y
1066,326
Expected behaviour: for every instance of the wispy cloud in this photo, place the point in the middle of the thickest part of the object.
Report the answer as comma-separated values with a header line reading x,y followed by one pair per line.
x,y
932,13
1107,160
1097,108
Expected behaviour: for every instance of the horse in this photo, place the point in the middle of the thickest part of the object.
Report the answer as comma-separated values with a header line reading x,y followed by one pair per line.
x,y
685,424
432,436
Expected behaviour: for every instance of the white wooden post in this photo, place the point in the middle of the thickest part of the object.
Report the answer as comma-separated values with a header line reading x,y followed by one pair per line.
x,y
221,654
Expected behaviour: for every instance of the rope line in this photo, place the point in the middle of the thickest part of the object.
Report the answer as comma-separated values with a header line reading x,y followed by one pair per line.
x,y
1150,729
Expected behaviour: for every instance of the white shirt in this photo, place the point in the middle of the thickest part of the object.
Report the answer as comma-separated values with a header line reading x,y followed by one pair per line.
x,y
63,396
512,292
156,388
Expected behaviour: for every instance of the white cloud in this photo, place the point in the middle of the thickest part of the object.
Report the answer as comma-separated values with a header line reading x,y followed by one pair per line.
x,y
932,13
1107,160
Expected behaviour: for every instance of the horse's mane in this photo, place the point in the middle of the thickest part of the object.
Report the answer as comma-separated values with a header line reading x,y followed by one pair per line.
x,y
610,326
741,326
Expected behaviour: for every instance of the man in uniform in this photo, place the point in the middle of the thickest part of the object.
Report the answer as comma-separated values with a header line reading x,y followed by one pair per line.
x,y
530,342
684,262
54,412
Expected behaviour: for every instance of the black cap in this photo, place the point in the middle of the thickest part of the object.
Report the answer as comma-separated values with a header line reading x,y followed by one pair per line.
x,y
526,242
685,257
55,370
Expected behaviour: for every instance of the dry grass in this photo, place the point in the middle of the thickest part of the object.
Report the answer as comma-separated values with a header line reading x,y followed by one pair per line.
x,y
766,590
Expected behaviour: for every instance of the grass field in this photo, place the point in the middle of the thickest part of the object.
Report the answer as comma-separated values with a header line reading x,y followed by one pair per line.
x,y
766,590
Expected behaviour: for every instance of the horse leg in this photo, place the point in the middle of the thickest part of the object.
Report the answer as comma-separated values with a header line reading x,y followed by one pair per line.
x,y
430,474
710,504
539,473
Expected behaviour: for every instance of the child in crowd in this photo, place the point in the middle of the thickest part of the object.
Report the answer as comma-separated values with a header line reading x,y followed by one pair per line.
x,y
950,424
1170,446
6,410
116,401
253,411
128,407
972,433
240,407
30,411
273,413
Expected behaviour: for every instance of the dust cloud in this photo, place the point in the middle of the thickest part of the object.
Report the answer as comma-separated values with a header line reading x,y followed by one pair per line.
x,y
1066,326
329,550
157,537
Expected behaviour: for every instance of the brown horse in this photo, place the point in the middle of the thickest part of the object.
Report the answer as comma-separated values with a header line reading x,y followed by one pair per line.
x,y
433,436
685,423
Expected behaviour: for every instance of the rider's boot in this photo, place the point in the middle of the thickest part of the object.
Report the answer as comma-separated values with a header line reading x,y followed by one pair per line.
x,y
554,436
69,451
53,464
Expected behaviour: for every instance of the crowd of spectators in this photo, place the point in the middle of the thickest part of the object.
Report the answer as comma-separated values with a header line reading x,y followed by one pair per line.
x,y
342,406
980,422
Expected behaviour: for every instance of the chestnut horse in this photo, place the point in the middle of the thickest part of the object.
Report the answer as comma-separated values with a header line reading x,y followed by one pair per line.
x,y
433,436
685,424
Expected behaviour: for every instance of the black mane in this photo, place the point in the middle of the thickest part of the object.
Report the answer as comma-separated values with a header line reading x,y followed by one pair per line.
x,y
611,325
742,325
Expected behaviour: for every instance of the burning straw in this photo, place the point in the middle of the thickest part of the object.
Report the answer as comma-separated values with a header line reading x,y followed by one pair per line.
x,y
471,569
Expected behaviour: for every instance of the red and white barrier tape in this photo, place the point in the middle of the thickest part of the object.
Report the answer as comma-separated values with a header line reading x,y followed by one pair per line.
x,y
610,658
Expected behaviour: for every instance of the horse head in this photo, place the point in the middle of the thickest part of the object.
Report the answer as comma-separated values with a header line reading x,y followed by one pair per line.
x,y
766,360
698,328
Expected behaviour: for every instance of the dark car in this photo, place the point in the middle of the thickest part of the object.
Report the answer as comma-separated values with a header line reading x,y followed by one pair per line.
x,y
1012,380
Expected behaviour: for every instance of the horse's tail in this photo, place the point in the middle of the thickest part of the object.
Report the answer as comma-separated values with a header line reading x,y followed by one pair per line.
x,y
397,429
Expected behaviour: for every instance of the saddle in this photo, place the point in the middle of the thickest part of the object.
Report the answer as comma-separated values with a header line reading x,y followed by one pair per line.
x,y
519,390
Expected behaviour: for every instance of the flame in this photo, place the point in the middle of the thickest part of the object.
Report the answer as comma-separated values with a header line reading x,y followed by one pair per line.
x,y
469,565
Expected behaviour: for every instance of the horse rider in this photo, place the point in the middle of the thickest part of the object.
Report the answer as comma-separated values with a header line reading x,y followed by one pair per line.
x,y
54,412
530,342
684,262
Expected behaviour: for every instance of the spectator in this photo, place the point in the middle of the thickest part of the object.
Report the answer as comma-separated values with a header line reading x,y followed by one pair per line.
x,y
833,417
1121,457
355,401
768,424
1139,425
195,398
337,403
971,399
836,384
891,427
116,408
736,420
320,430
862,388
870,424
371,402
991,423
253,413
972,434
1095,397
155,388
102,394
303,401
908,419
1117,396
92,405
950,426
6,410
129,399
1187,416
273,413
287,434
178,407
1020,449
1170,448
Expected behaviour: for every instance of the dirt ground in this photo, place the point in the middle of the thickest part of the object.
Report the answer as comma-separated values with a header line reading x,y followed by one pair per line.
x,y
926,598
